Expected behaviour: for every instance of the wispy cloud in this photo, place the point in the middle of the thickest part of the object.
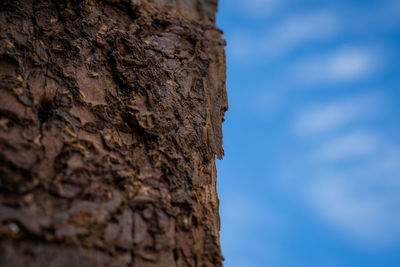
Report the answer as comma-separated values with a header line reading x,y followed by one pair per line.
x,y
344,65
285,36
353,173
349,146
259,8
323,117
298,30
369,219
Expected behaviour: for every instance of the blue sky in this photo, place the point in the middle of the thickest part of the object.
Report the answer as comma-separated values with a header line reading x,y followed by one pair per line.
x,y
311,173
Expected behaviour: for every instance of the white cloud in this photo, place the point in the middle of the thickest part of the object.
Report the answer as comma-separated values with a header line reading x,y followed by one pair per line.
x,y
324,117
359,200
259,8
287,35
348,146
297,30
350,64
344,65
369,219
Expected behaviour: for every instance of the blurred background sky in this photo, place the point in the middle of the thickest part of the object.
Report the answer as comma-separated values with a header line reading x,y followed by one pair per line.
x,y
311,173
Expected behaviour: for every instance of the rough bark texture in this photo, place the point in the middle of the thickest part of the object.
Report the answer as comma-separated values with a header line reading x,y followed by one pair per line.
x,y
110,120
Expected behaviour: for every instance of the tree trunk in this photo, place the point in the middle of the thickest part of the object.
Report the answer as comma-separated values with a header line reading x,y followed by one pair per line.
x,y
110,120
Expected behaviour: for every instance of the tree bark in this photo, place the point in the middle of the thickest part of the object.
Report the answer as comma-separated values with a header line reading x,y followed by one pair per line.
x,y
110,120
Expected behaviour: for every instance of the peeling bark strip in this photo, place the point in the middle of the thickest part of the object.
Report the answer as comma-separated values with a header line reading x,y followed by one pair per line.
x,y
110,120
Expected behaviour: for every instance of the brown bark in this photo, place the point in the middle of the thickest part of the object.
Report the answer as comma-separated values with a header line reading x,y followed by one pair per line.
x,y
110,120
